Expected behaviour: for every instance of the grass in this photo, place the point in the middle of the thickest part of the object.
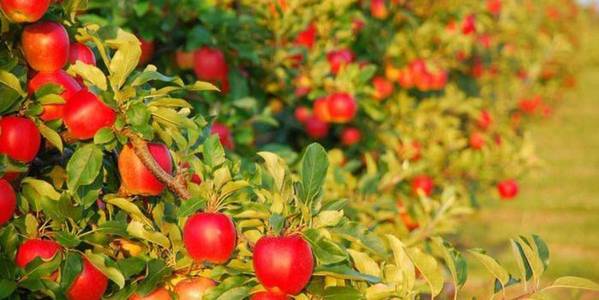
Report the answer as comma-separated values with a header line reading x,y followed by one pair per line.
x,y
560,202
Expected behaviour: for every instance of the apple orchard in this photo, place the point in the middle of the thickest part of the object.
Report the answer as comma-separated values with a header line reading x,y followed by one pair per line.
x,y
270,149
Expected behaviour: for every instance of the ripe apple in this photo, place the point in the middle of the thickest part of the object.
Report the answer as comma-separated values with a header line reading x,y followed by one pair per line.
x,y
60,78
184,59
342,107
422,184
530,106
210,64
378,9
406,218
307,37
136,178
147,51
24,11
321,109
469,25
34,248
350,136
284,264
85,114
494,7
157,294
90,284
316,128
412,151
405,78
477,140
210,237
383,88
8,202
484,120
224,134
81,52
46,46
508,189
193,288
265,295
339,58
302,114
19,138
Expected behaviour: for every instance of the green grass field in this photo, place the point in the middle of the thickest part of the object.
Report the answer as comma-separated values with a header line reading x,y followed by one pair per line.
x,y
560,201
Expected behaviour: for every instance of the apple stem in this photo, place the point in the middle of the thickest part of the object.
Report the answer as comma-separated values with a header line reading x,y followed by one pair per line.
x,y
140,147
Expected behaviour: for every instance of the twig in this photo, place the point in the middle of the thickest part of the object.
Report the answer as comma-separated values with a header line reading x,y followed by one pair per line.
x,y
140,147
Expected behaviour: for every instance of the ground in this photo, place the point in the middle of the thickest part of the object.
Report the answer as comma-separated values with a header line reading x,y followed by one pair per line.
x,y
559,202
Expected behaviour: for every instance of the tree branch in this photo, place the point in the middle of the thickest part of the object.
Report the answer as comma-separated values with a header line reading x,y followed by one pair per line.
x,y
140,147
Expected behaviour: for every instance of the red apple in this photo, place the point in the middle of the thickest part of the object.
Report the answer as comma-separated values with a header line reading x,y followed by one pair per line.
x,y
210,237
484,120
60,78
383,88
184,59
378,9
316,128
307,37
147,51
90,284
158,294
268,296
34,248
283,265
24,11
339,58
342,107
508,189
469,25
8,202
85,114
193,288
46,46
302,114
136,178
477,140
350,136
224,134
19,138
81,52
494,6
321,109
210,64
530,106
423,184
406,218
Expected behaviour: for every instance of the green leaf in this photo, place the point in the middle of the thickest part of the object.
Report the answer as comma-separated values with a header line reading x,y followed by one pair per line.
x,y
189,207
275,166
492,266
403,261
342,293
324,249
104,136
89,73
199,86
344,272
137,230
150,74
532,257
571,282
364,263
214,154
313,172
67,239
429,268
42,188
84,166
11,81
52,136
156,273
454,261
125,59
129,207
99,261
7,287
